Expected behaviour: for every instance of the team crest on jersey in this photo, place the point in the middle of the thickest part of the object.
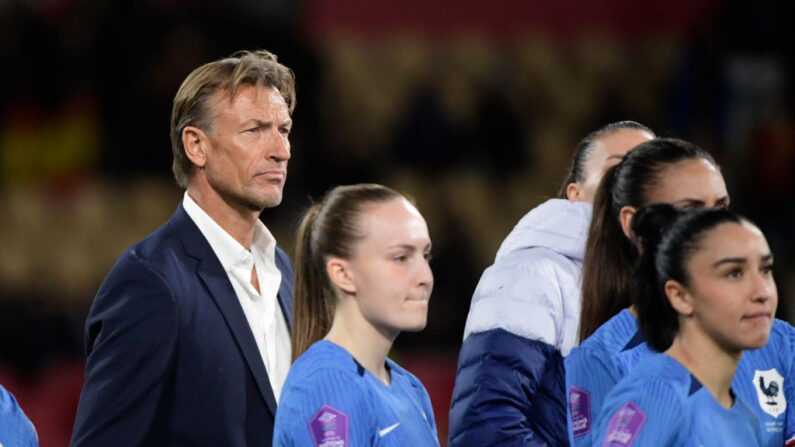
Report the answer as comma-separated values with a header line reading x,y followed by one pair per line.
x,y
329,427
769,387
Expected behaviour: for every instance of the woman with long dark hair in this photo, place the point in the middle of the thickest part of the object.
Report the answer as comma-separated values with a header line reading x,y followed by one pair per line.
x,y
704,293
664,170
362,277
676,172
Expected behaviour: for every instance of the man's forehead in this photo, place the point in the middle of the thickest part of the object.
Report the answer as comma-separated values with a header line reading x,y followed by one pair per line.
x,y
249,93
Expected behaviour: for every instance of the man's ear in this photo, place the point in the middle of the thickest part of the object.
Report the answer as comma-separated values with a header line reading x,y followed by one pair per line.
x,y
573,192
194,140
679,297
625,217
339,272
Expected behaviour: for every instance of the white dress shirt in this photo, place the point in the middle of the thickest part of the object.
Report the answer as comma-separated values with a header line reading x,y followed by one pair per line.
x,y
261,308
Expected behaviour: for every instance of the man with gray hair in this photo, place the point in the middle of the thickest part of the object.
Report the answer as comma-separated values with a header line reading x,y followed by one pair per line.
x,y
188,339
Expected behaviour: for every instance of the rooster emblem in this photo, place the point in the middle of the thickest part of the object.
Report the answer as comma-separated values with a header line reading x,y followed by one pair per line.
x,y
769,385
771,391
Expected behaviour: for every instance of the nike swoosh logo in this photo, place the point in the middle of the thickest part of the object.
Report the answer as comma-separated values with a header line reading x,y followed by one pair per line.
x,y
383,432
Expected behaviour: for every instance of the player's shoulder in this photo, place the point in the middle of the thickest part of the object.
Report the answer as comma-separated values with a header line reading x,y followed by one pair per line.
x,y
658,378
647,402
400,373
324,359
782,335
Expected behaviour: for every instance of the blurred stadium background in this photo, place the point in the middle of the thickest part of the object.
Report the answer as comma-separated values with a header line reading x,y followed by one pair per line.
x,y
472,107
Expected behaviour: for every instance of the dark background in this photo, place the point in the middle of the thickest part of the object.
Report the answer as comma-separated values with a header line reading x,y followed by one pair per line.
x,y
472,107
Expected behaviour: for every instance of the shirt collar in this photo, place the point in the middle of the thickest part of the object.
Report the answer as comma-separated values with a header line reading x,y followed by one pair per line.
x,y
229,251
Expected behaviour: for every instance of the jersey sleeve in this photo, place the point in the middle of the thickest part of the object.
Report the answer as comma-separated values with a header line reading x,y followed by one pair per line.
x,y
325,408
589,377
789,387
15,428
640,413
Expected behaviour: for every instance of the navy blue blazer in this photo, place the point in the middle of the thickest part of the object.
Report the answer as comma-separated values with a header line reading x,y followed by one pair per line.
x,y
171,360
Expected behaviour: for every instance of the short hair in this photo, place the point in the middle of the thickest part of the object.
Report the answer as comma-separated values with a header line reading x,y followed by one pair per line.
x,y
192,102
585,147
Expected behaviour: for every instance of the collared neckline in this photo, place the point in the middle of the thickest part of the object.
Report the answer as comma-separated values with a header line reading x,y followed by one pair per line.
x,y
230,252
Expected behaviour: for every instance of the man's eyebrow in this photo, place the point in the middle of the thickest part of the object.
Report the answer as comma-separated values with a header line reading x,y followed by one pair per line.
x,y
258,122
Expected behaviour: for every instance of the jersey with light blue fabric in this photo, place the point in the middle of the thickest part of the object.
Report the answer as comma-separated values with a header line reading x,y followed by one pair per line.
x,y
16,430
330,400
660,403
510,385
593,368
789,430
764,377
764,380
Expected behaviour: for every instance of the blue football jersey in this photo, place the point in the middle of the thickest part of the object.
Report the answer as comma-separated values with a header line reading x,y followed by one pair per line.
x,y
330,400
618,346
789,430
764,381
660,403
16,430
593,368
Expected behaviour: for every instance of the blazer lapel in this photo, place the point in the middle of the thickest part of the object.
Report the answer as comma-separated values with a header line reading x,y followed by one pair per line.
x,y
285,294
217,282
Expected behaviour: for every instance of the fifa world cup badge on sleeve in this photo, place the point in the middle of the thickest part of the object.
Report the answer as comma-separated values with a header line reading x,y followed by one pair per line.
x,y
580,408
769,387
329,427
625,426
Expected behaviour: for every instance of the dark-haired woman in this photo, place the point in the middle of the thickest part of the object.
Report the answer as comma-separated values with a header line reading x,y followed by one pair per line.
x,y
679,173
362,277
704,294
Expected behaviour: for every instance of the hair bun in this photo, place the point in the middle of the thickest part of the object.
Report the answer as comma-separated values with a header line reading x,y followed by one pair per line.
x,y
651,221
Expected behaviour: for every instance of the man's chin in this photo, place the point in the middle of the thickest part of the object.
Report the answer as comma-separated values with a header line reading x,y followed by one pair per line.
x,y
255,202
267,202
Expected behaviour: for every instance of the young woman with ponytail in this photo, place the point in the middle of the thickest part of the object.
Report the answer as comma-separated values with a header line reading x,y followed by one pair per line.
x,y
704,293
679,173
362,277
664,170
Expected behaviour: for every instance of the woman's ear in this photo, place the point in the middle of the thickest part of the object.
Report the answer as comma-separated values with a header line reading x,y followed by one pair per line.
x,y
573,192
339,271
194,140
679,297
625,217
